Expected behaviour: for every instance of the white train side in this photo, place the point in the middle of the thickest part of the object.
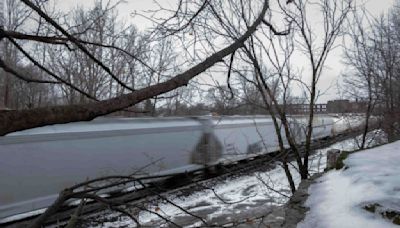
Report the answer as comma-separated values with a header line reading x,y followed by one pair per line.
x,y
38,163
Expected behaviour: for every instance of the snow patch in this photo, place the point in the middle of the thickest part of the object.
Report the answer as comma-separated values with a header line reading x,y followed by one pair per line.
x,y
336,199
239,194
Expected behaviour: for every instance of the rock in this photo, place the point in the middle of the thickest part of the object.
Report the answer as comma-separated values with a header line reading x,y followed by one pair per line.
x,y
295,211
386,209
332,157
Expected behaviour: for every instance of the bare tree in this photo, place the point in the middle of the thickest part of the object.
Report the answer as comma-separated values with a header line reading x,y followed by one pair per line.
x,y
19,120
374,74
316,49
361,58
15,15
275,74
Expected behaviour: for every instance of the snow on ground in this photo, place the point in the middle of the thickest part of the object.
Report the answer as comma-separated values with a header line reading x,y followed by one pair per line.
x,y
338,198
235,198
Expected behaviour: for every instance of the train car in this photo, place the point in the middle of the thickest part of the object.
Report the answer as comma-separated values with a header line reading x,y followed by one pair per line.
x,y
38,163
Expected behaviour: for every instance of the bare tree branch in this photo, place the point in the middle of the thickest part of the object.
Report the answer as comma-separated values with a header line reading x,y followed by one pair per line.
x,y
25,119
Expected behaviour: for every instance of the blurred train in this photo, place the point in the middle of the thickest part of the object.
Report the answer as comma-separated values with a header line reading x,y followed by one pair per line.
x,y
38,163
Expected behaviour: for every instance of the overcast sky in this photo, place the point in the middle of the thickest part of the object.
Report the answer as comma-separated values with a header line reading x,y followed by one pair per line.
x,y
334,64
376,7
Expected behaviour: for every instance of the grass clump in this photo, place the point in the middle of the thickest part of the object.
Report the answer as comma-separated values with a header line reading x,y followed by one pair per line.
x,y
340,161
391,215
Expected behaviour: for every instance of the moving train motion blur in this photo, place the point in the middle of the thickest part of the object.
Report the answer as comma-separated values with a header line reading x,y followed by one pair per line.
x,y
36,164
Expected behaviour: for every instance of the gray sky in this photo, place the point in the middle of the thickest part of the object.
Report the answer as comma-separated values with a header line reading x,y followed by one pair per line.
x,y
334,64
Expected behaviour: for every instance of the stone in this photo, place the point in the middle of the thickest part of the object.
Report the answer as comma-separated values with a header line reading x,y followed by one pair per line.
x,y
332,157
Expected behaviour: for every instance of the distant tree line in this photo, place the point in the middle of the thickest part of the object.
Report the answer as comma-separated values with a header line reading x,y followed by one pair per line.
x,y
373,58
135,59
